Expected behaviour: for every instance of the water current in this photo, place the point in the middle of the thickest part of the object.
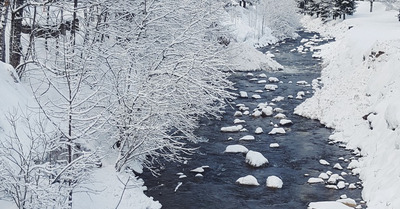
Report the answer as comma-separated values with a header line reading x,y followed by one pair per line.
x,y
301,148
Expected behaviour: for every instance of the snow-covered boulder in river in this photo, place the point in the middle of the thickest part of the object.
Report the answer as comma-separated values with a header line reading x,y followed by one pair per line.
x,y
277,131
328,205
255,159
248,180
247,138
232,128
236,148
274,182
258,130
271,87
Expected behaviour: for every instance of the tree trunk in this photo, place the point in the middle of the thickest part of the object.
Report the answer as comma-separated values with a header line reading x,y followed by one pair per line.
x,y
15,38
3,17
371,5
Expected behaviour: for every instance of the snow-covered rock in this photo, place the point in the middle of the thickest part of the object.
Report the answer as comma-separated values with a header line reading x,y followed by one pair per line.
x,y
267,111
274,145
237,121
285,122
256,113
238,114
236,148
243,94
301,82
323,162
313,180
278,99
248,180
247,138
280,116
273,79
262,75
323,176
197,170
277,131
262,81
258,130
271,87
327,205
256,96
348,201
232,128
255,159
274,182
341,185
338,166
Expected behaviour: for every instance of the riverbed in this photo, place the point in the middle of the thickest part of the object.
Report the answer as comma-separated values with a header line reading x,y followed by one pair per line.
x,y
296,159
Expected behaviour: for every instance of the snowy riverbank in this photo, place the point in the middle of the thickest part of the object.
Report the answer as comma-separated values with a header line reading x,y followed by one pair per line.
x,y
360,96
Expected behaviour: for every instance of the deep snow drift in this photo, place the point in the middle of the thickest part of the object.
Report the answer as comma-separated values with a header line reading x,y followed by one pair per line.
x,y
360,96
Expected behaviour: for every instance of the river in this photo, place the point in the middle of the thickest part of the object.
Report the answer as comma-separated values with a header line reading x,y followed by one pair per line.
x,y
295,161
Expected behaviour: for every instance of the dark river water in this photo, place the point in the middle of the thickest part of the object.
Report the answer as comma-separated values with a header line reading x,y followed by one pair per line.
x,y
301,148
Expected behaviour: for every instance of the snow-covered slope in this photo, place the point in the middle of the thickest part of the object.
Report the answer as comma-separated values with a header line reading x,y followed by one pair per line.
x,y
360,96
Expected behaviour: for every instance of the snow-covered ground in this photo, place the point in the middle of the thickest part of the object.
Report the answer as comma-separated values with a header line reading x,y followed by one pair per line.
x,y
360,96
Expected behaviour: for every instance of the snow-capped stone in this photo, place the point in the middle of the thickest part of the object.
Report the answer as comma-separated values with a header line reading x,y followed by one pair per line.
x,y
277,131
352,186
285,122
343,173
267,111
313,180
248,180
238,114
278,99
243,94
258,91
236,148
290,97
301,82
271,87
250,74
255,159
338,166
198,170
243,108
353,164
258,130
343,196
333,179
243,130
273,79
324,176
253,79
348,201
274,182
329,173
262,81
199,175
327,205
182,176
280,116
237,121
278,109
256,113
256,96
331,187
323,162
246,112
276,125
274,145
247,138
300,95
232,128
230,138
341,185
262,75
